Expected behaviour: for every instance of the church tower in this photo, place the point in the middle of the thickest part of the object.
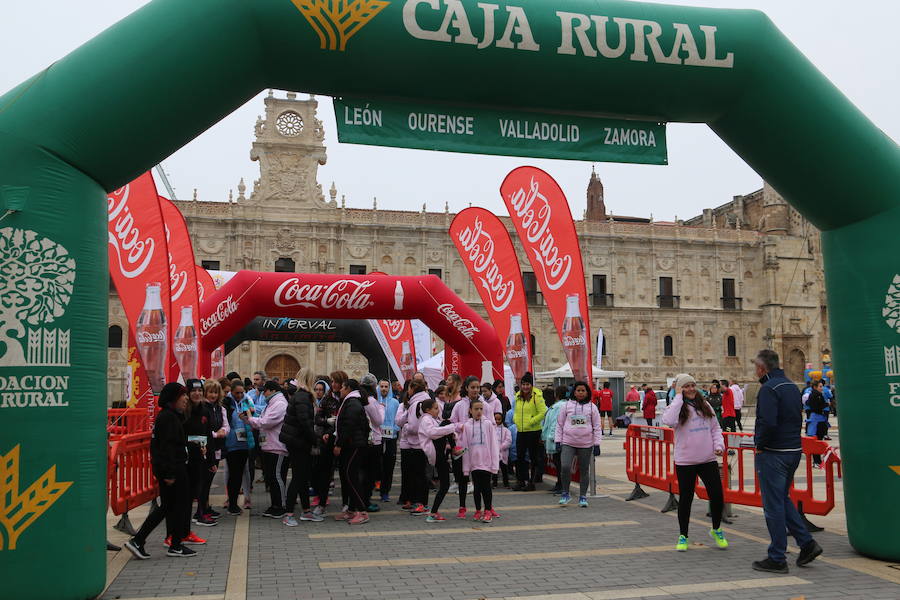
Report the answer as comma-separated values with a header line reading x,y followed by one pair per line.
x,y
289,147
596,208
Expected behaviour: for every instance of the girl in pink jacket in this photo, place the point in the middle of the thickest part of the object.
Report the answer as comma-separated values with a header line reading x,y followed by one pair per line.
x,y
409,415
698,441
433,438
482,456
578,432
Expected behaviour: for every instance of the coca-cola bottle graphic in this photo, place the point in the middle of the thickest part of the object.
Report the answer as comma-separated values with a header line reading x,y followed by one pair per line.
x,y
185,348
150,334
407,362
516,347
217,363
575,339
398,296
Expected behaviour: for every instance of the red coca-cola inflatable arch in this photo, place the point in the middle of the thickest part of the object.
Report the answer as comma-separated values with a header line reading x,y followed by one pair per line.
x,y
375,296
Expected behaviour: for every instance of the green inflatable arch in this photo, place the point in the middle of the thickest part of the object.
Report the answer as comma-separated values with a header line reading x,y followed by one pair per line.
x,y
140,90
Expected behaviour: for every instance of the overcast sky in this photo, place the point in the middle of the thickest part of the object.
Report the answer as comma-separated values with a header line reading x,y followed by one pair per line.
x,y
853,43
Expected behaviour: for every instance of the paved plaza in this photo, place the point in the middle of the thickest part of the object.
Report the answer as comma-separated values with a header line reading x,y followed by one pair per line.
x,y
536,550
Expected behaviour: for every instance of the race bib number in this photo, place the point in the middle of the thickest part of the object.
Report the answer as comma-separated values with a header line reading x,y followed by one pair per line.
x,y
578,421
218,455
197,439
388,433
262,438
241,435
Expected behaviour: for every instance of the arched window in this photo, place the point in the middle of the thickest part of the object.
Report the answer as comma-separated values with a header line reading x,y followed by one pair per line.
x,y
731,343
115,337
285,265
667,346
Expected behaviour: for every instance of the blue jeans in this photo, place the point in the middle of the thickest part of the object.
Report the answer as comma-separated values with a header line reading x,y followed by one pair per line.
x,y
776,473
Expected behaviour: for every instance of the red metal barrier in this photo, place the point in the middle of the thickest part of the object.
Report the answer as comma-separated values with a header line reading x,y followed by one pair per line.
x,y
130,475
122,421
649,460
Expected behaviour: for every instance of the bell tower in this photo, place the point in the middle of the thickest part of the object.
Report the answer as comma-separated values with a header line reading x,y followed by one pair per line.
x,y
596,207
289,147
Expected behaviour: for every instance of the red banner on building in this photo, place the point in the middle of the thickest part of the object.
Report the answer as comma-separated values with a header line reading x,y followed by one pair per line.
x,y
541,215
183,293
206,287
139,267
487,251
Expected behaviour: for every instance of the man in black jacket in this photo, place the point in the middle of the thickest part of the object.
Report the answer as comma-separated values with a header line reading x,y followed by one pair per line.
x,y
779,418
169,458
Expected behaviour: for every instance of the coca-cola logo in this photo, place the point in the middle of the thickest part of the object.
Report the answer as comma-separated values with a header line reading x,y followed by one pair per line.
x,y
512,353
225,309
478,248
535,222
177,279
181,347
133,254
394,328
463,325
342,294
573,340
150,337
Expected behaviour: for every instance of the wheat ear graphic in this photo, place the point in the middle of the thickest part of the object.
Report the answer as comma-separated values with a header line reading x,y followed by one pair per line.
x,y
336,21
19,511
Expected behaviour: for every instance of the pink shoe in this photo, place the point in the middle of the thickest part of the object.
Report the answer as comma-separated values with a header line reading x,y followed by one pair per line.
x,y
461,514
247,504
359,518
477,515
495,514
487,517
343,516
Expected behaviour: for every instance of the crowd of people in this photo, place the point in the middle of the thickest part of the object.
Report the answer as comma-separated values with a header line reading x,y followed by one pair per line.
x,y
314,427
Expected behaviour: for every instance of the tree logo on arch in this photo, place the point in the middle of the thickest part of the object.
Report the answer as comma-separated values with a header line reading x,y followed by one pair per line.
x,y
336,21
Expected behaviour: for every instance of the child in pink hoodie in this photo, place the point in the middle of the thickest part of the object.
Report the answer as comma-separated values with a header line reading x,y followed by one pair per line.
x,y
698,441
578,432
482,456
434,441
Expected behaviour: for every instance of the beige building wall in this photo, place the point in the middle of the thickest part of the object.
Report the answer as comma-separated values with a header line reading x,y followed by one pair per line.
x,y
772,254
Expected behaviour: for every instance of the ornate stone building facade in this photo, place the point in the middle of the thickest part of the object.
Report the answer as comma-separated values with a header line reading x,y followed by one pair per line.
x,y
701,295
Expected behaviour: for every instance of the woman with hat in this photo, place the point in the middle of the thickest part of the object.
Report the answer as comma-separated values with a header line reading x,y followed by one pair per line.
x,y
698,441
168,457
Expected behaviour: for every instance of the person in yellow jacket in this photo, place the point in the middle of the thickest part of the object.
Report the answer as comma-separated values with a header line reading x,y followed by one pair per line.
x,y
528,416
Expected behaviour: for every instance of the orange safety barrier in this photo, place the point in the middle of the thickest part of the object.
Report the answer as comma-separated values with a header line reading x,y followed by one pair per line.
x,y
122,421
130,474
649,460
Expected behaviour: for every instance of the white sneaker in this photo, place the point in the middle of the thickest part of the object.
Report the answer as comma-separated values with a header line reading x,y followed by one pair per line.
x,y
453,488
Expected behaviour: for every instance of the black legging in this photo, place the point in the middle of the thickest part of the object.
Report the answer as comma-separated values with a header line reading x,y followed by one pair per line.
x,y
205,486
301,467
352,468
462,481
687,480
195,475
175,503
418,480
442,467
737,419
481,482
405,477
528,442
275,467
323,473
388,460
237,461
371,471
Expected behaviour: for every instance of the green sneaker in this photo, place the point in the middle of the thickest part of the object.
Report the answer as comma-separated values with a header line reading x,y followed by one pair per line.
x,y
719,536
682,544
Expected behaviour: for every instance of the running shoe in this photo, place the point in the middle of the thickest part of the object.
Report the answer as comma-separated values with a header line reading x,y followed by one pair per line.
x,y
359,518
434,518
181,551
192,539
582,501
319,511
247,505
477,515
234,511
343,515
565,499
407,506
682,544
311,516
213,513
137,549
385,498
495,514
290,521
274,512
419,510
204,520
373,507
719,536
461,514
487,517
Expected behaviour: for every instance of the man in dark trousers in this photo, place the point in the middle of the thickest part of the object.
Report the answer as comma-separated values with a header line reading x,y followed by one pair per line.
x,y
168,454
779,419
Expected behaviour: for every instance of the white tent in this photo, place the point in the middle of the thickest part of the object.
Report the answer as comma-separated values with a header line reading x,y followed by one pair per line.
x,y
565,372
433,368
